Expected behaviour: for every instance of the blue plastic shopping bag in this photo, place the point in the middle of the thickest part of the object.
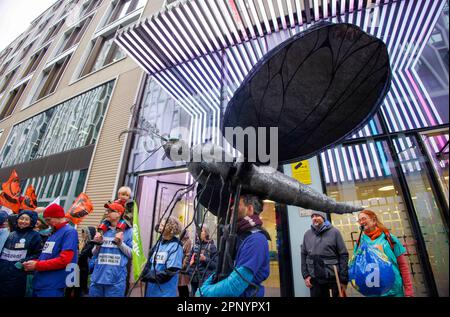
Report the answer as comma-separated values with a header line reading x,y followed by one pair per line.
x,y
370,271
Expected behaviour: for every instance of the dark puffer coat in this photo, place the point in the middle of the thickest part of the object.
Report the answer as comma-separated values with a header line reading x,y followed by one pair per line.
x,y
22,245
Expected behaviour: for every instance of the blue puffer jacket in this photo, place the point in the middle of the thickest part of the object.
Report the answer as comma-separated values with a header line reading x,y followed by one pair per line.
x,y
22,245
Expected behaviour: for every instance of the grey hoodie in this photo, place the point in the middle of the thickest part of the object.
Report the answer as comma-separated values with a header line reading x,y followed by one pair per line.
x,y
321,249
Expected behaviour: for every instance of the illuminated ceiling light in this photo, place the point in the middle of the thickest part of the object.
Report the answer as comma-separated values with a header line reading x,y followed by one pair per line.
x,y
274,17
262,9
386,188
267,201
256,18
282,15
298,8
291,14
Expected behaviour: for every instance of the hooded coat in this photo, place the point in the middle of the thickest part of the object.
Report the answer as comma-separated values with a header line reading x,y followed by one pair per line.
x,y
84,257
22,245
322,248
200,271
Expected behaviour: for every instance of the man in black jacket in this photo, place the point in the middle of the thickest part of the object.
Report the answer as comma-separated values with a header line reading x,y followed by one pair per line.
x,y
324,253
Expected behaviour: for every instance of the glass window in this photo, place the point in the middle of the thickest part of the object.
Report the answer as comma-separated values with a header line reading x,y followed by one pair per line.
x,y
427,209
360,183
34,62
123,7
88,6
73,36
61,128
4,67
160,110
50,78
104,52
26,50
12,100
154,197
20,44
7,80
45,194
53,31
269,219
437,147
432,66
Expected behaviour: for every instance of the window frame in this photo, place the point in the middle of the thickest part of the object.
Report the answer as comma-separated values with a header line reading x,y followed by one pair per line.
x,y
51,76
12,101
7,80
73,36
54,30
91,60
117,8
33,64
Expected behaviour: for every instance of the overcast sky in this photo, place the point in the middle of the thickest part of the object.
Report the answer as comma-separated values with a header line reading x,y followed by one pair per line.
x,y
16,15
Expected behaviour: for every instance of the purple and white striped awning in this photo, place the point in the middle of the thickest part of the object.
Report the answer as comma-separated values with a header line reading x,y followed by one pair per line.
x,y
200,51
196,28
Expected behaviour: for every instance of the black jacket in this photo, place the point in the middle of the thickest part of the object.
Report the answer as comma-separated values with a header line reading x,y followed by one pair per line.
x,y
23,243
200,271
321,249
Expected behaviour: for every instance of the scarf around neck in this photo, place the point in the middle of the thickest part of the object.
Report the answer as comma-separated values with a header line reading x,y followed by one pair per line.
x,y
248,222
374,233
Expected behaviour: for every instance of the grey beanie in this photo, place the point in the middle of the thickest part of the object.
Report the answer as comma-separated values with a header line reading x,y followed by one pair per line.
x,y
320,213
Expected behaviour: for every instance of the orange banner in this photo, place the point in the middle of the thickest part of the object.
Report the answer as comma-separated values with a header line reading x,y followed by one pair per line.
x,y
29,201
10,195
81,207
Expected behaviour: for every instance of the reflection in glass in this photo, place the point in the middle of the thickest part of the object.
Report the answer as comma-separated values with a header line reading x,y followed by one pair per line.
x,y
161,111
155,193
370,182
65,185
437,148
72,124
430,219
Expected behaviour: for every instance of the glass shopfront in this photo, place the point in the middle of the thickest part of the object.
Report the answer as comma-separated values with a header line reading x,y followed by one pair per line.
x,y
374,183
396,165
155,195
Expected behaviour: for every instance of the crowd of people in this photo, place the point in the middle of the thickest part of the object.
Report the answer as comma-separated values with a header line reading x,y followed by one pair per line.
x,y
41,255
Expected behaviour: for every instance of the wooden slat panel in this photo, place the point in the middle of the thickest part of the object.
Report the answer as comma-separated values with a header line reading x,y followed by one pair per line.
x,y
101,182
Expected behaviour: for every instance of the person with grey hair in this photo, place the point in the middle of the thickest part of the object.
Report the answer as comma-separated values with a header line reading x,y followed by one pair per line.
x,y
165,261
251,262
324,253
203,258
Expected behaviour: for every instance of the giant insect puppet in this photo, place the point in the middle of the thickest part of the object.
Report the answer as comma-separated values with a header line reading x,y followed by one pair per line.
x,y
318,87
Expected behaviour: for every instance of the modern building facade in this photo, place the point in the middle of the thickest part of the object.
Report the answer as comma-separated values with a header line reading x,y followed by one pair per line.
x,y
67,92
120,65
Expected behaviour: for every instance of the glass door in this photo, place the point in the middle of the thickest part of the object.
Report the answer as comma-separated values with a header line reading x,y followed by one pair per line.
x,y
436,146
363,174
429,210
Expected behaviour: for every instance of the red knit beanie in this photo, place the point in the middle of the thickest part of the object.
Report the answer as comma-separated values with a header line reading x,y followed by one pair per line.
x,y
54,211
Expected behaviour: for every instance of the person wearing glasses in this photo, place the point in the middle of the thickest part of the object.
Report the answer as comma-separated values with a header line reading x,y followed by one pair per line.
x,y
109,276
374,233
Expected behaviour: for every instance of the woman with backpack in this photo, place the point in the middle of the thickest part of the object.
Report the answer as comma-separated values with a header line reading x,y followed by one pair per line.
x,y
375,234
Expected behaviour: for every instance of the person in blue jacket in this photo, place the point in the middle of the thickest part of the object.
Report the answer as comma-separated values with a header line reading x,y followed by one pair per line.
x,y
252,262
22,245
165,261
56,264
109,276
